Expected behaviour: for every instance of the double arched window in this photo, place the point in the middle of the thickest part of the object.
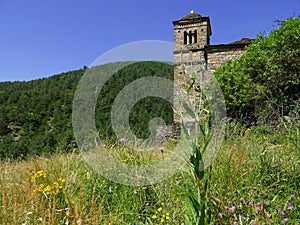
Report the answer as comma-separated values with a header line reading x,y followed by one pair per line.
x,y
190,37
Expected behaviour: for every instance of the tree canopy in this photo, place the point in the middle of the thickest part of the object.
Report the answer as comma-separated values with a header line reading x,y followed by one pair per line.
x,y
264,84
36,116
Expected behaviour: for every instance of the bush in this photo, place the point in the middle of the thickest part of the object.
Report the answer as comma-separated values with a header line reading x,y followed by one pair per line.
x,y
264,84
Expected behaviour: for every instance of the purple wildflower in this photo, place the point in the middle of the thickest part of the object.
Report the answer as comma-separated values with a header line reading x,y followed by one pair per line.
x,y
162,149
292,196
242,218
266,213
284,220
289,206
258,208
267,203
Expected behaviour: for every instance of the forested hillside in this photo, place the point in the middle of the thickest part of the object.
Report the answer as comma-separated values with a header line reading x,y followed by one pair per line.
x,y
36,116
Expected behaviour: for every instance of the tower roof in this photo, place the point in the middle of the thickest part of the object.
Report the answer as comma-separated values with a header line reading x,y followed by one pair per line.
x,y
192,18
191,15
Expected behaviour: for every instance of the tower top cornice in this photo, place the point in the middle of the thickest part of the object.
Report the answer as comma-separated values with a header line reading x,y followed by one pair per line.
x,y
191,15
193,18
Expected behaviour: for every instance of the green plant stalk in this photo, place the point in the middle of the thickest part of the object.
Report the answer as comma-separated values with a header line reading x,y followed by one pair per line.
x,y
198,212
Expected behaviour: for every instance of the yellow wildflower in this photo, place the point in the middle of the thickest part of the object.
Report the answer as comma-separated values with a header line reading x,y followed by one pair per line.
x,y
38,174
248,130
167,216
47,188
265,138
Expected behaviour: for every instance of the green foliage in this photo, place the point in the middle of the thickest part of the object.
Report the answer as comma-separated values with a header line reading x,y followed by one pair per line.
x,y
264,83
254,180
144,110
36,116
197,141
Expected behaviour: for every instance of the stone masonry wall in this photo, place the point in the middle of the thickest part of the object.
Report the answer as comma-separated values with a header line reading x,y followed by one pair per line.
x,y
210,59
199,25
216,57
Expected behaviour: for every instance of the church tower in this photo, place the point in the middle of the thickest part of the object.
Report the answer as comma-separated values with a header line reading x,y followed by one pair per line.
x,y
192,31
191,34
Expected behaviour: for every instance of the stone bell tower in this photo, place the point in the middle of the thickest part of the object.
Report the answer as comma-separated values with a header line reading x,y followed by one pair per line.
x,y
191,34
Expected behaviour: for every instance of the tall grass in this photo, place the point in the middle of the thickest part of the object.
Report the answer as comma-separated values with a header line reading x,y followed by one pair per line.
x,y
85,197
255,179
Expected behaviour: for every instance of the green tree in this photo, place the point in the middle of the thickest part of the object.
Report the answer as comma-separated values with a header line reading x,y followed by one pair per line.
x,y
264,83
36,116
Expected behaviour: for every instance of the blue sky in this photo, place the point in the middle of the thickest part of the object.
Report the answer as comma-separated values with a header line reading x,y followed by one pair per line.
x,y
43,38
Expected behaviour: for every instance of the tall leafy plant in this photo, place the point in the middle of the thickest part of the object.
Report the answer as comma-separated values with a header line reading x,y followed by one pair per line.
x,y
198,212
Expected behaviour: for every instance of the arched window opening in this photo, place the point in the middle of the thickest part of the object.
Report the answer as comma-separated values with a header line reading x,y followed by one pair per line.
x,y
190,37
195,36
185,37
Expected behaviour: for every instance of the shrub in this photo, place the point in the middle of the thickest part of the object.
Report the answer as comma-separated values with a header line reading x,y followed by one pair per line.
x,y
264,83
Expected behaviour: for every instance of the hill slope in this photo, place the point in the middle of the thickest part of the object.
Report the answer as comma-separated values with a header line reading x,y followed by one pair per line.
x,y
36,116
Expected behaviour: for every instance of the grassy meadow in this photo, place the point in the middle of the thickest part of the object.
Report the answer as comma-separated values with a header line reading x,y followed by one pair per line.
x,y
255,179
